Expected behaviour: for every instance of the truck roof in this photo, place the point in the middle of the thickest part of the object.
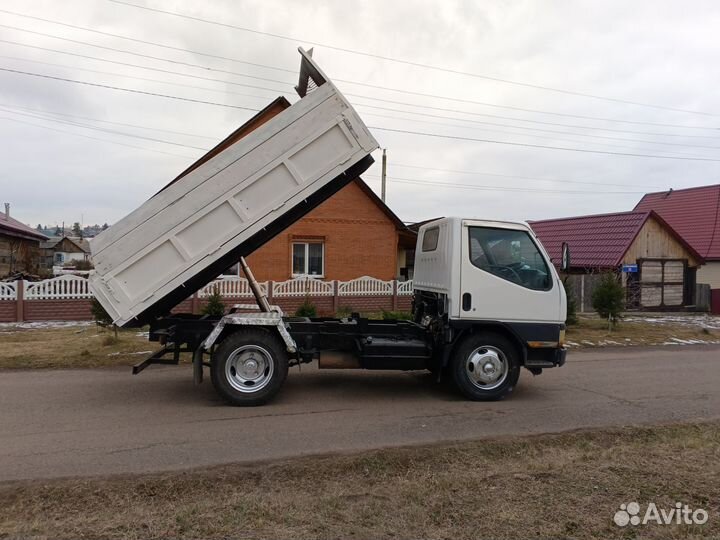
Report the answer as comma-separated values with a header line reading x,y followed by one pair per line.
x,y
519,225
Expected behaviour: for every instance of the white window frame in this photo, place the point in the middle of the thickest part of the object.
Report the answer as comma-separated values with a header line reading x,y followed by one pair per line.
x,y
307,243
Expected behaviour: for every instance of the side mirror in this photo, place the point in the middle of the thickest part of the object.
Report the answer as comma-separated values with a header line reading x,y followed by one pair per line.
x,y
565,261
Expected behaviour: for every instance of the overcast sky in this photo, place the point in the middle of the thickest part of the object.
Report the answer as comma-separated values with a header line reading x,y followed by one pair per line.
x,y
654,53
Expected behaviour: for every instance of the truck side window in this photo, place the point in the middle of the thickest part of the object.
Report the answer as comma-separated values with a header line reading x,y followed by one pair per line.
x,y
430,239
511,255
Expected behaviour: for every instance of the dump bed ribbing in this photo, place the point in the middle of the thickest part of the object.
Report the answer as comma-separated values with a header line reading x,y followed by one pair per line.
x,y
185,235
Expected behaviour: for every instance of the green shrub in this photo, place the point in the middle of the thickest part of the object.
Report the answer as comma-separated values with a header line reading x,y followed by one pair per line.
x,y
396,315
306,309
571,317
608,298
343,312
214,306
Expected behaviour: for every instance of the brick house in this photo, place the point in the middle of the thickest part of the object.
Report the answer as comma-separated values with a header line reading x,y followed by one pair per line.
x,y
695,214
352,234
19,245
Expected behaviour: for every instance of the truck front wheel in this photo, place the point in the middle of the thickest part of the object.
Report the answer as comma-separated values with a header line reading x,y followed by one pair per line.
x,y
486,367
249,367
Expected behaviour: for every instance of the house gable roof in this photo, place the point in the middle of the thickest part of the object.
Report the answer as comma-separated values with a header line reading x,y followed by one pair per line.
x,y
270,111
274,108
55,243
694,213
597,241
12,227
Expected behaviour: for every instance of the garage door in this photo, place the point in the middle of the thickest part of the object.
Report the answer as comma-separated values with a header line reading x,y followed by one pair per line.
x,y
662,283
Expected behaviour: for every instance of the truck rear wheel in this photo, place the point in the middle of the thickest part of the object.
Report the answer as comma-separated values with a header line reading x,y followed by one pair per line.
x,y
486,367
249,367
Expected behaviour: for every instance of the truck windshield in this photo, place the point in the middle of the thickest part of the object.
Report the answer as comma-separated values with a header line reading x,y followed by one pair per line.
x,y
510,255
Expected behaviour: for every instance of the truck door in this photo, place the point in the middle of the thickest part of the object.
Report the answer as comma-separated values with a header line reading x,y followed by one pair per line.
x,y
505,276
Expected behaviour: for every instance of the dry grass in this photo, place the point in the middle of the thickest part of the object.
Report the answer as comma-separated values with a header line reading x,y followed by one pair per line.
x,y
636,332
71,347
567,485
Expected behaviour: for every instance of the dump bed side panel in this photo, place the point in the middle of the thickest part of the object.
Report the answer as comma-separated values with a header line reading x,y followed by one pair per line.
x,y
185,235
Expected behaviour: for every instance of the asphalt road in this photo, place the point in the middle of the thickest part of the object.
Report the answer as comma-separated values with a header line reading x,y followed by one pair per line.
x,y
104,421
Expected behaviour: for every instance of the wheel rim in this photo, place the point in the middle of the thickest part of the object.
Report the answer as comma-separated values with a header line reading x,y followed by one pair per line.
x,y
249,369
487,367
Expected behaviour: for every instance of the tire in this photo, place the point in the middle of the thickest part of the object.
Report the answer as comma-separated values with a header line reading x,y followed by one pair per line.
x,y
486,367
249,367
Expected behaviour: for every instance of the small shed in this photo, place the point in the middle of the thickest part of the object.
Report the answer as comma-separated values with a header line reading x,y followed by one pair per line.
x,y
695,214
658,266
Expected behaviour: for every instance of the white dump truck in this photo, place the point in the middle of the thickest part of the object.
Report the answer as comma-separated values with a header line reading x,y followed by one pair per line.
x,y
487,300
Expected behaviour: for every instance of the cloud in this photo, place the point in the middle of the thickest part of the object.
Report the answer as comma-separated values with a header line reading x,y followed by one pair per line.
x,y
657,53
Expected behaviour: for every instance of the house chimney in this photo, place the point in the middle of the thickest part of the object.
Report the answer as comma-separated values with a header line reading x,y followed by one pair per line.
x,y
7,210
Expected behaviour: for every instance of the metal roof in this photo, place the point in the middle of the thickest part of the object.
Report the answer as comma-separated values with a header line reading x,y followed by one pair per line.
x,y
13,227
694,213
595,241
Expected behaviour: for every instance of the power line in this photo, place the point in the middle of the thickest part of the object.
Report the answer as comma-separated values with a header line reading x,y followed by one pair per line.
x,y
536,129
519,177
165,46
347,94
141,55
91,119
65,66
414,64
160,70
409,92
104,130
143,92
363,105
379,87
200,148
541,146
94,138
510,189
522,109
473,113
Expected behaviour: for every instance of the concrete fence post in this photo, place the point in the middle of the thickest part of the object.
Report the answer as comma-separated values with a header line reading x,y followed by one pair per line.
x,y
20,301
270,291
395,295
336,296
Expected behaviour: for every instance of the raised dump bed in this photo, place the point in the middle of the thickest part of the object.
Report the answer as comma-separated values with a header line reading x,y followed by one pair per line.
x,y
231,204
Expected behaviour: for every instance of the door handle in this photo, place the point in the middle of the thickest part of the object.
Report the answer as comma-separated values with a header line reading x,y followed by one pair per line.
x,y
466,301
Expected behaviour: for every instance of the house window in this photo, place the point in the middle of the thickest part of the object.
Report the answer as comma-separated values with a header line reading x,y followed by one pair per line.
x,y
59,258
308,259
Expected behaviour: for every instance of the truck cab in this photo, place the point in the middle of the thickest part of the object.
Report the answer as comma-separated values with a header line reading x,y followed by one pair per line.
x,y
490,294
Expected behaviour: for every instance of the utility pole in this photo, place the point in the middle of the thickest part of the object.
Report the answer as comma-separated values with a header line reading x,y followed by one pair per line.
x,y
384,174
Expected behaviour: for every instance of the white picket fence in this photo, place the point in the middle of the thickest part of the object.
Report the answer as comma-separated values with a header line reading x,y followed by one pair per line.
x,y
303,286
365,286
59,288
75,287
231,287
8,291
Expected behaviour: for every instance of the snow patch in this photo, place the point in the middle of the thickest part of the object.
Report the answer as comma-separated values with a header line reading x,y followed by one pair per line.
x,y
43,325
